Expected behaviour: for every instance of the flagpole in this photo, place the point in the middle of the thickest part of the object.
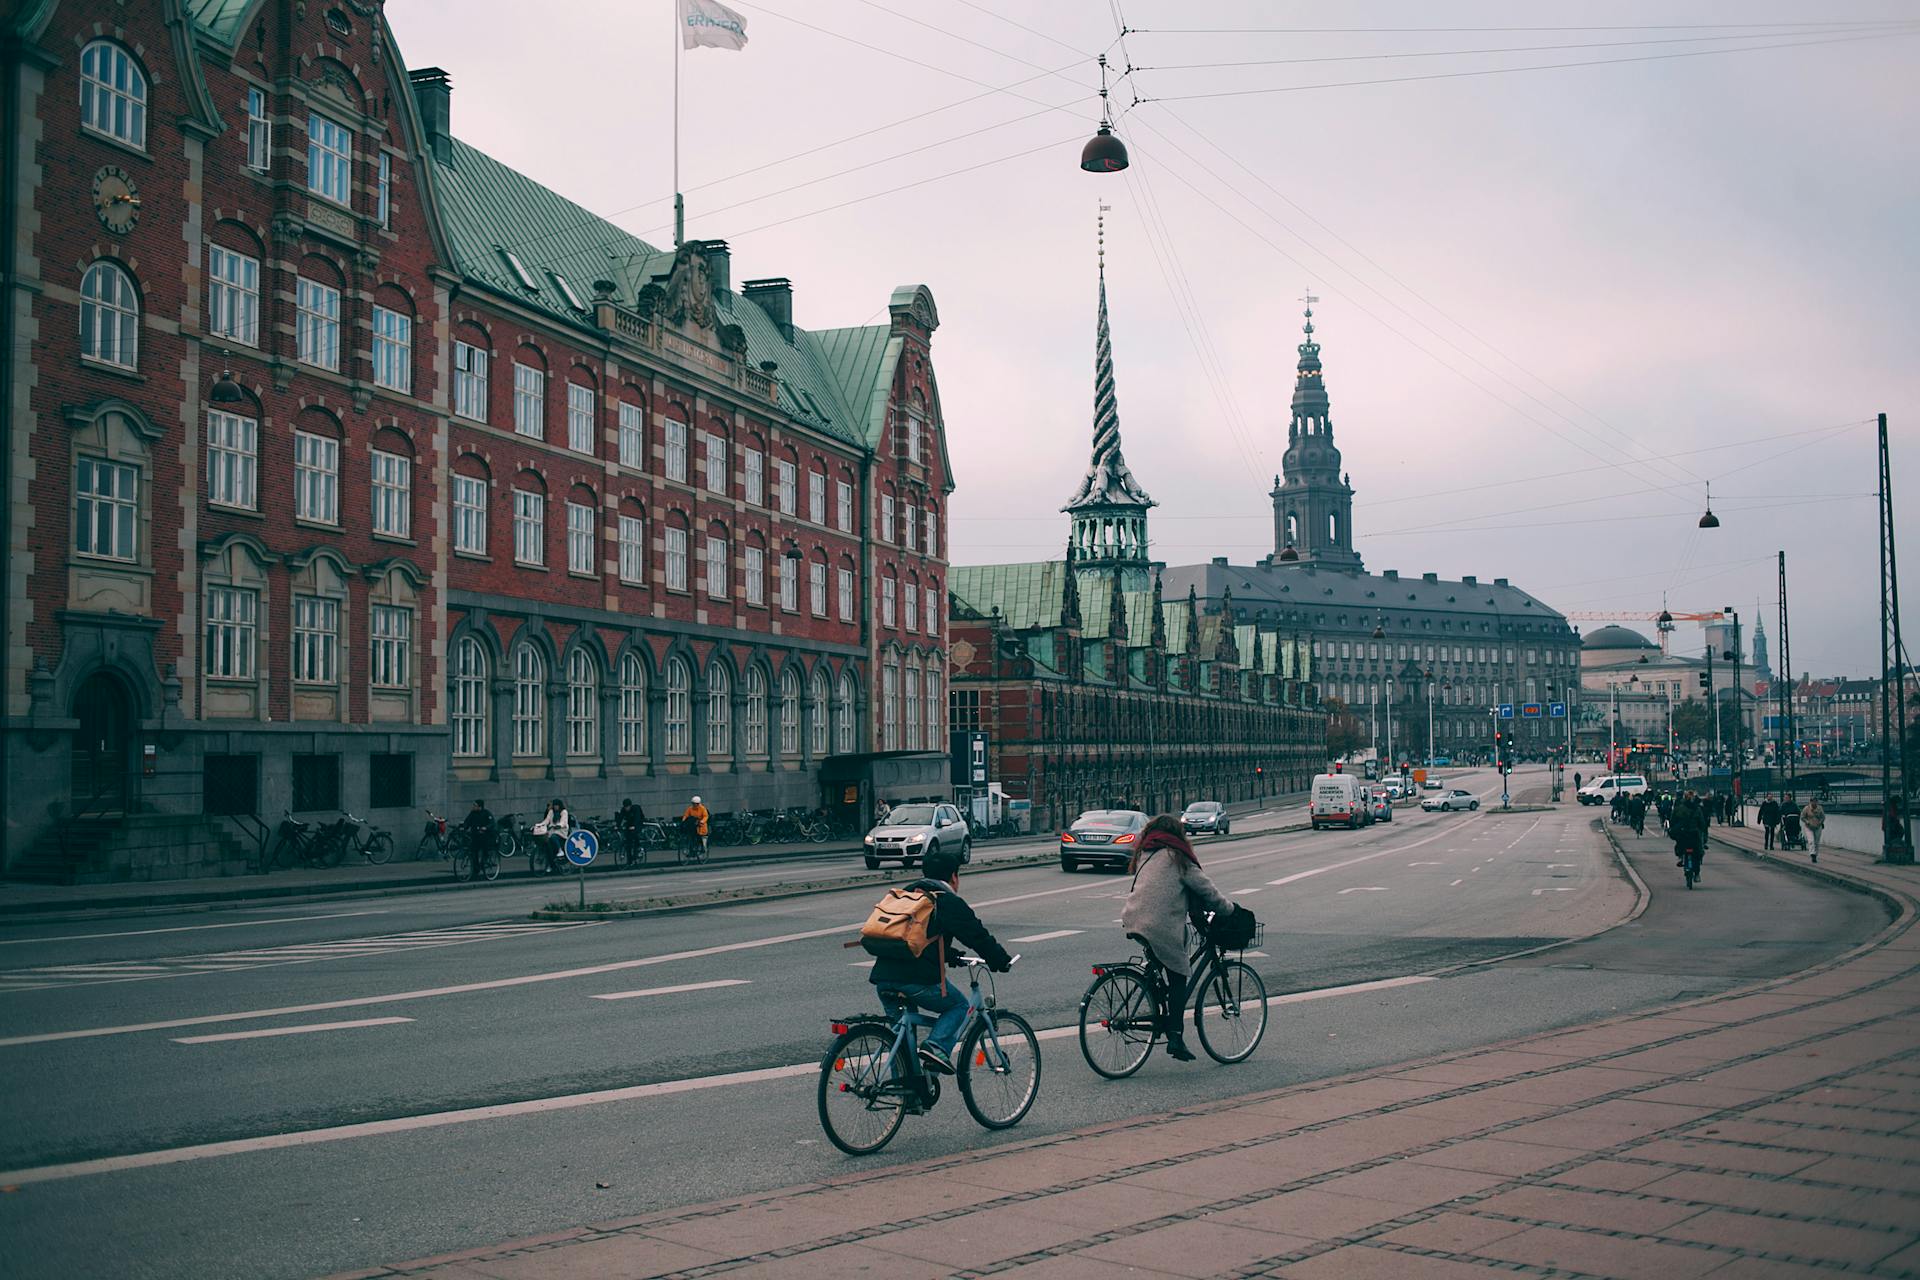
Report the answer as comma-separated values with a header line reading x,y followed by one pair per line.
x,y
679,206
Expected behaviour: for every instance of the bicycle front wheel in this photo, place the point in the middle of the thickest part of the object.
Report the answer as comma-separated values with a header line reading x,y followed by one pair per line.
x,y
380,848
1236,998
1000,1069
463,865
489,865
1116,1023
860,1105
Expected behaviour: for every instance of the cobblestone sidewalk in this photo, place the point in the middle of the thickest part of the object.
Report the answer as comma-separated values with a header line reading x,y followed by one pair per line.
x,y
1767,1134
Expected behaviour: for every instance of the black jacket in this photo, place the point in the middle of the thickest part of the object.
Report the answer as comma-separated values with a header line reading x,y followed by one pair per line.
x,y
953,920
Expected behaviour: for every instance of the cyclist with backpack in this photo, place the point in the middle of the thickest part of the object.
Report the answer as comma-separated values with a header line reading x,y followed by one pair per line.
x,y
931,915
1168,886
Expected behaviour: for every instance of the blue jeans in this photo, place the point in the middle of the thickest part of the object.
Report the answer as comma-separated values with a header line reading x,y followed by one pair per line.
x,y
951,1005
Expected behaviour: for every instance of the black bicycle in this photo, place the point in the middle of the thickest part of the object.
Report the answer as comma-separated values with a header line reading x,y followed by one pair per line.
x,y
1122,1012
475,855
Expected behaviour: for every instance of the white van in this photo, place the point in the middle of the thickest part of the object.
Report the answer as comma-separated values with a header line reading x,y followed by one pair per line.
x,y
1603,790
1336,801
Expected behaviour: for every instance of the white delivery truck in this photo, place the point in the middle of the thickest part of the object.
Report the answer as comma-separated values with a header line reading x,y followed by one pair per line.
x,y
1336,801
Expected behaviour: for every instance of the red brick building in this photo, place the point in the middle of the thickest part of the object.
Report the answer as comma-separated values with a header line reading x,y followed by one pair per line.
x,y
350,469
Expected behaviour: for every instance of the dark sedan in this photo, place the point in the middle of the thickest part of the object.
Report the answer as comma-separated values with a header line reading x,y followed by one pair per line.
x,y
1206,818
1101,837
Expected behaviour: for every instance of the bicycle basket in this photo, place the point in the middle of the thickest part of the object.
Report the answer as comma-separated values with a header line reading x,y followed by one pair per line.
x,y
1236,931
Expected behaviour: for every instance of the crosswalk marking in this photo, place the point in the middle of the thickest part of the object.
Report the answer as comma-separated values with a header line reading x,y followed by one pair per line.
x,y
96,972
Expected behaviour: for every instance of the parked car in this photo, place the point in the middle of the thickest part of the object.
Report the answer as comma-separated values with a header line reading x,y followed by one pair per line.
x,y
1602,790
1206,818
1439,761
1449,800
1337,801
910,830
1431,784
1101,837
1379,804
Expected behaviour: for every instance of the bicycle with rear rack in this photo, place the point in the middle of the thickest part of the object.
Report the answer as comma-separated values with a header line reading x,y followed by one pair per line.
x,y
871,1078
1123,1012
436,840
348,835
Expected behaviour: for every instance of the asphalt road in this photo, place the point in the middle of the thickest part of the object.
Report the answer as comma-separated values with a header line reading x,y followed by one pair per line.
x,y
495,1087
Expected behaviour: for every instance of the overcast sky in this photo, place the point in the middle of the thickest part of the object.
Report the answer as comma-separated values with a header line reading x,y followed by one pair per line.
x,y
1555,303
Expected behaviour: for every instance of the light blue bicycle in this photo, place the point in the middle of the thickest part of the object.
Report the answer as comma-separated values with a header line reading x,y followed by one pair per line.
x,y
871,1078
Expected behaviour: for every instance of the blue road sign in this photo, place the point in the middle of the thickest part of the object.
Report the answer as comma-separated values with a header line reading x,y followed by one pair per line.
x,y
1529,711
1506,711
1556,710
582,846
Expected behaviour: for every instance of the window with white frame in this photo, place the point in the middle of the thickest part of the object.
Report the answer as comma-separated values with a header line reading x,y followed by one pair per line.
x,y
470,514
316,631
890,706
786,478
583,705
106,509
676,437
316,478
933,531
579,418
756,575
756,469
467,698
716,566
846,595
529,400
843,506
317,323
113,93
392,494
392,349
936,709
390,645
886,518
817,588
529,527
470,381
790,712
329,159
911,698
383,191
846,732
911,429
819,716
909,528
109,316
816,497
889,602
719,712
679,709
633,550
633,435
233,295
233,459
933,610
910,606
714,461
633,706
259,131
579,537
529,701
755,725
676,559
231,632
790,584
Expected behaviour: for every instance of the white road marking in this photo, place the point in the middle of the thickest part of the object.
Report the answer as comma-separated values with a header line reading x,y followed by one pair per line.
x,y
290,1031
189,928
1365,857
1370,888
1456,882
1426,864
861,964
1562,889
685,986
1552,865
1237,893
1048,937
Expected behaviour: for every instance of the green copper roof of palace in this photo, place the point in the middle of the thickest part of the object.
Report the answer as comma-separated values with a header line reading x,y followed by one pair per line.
x,y
1029,595
221,17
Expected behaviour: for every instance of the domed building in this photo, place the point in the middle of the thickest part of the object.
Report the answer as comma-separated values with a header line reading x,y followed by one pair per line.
x,y
1611,645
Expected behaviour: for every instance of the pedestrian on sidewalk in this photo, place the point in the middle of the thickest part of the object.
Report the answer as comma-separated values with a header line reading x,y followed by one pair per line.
x,y
1814,818
1769,819
1168,885
1576,781
1790,823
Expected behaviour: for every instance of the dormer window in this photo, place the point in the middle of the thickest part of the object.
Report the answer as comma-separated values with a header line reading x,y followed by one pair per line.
x,y
520,272
566,291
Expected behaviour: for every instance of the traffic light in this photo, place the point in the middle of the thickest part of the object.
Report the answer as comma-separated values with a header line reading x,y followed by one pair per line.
x,y
1706,680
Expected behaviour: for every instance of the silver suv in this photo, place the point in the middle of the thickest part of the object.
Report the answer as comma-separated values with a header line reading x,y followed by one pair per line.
x,y
908,832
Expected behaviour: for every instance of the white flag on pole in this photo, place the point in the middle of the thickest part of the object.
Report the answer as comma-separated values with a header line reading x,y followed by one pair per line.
x,y
710,24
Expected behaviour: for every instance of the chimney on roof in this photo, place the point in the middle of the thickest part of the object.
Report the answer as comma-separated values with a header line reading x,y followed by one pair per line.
x,y
1429,577
1469,580
1391,575
775,297
1221,561
433,95
719,263
1499,582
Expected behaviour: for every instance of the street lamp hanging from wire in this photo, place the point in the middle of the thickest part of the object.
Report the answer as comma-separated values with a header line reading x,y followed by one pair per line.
x,y
1104,153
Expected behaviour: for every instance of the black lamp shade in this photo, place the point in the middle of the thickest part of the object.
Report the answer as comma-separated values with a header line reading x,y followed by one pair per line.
x,y
1103,153
1288,553
1709,520
226,390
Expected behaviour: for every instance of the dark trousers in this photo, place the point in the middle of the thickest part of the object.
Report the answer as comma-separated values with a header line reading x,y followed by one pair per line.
x,y
1771,828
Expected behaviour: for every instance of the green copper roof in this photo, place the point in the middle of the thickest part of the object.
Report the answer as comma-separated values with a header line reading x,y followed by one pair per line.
x,y
1028,595
1096,604
222,18
1176,614
862,361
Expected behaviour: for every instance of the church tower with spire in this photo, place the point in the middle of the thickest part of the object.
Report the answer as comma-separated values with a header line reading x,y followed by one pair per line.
x,y
1761,670
1109,510
1312,500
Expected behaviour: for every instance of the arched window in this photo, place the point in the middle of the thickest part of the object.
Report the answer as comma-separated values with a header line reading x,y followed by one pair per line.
x,y
719,712
912,697
844,732
113,93
817,712
755,685
529,701
936,708
583,704
633,706
790,712
109,316
679,708
467,698
1333,529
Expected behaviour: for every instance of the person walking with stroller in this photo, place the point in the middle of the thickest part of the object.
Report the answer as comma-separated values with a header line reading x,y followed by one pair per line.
x,y
1790,837
1769,819
1814,819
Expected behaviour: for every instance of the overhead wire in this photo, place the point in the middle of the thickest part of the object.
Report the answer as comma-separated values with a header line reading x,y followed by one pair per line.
x,y
1643,26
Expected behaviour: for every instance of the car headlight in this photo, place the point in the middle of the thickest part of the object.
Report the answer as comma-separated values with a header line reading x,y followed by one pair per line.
x,y
869,842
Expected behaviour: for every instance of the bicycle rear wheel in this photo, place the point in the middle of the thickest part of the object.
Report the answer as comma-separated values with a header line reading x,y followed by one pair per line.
x,y
1117,1016
286,852
999,1068
860,1105
463,865
1239,1003
380,848
489,864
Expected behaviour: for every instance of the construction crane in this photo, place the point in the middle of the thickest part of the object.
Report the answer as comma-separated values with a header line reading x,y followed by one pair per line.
x,y
1662,621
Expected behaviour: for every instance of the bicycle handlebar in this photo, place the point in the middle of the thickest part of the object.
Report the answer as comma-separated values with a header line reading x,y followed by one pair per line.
x,y
976,960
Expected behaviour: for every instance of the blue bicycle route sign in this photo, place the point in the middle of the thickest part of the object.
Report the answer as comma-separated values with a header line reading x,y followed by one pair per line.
x,y
582,847
1506,711
1556,710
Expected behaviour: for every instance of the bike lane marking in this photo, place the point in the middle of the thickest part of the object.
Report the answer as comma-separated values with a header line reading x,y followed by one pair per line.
x,y
667,991
301,1030
189,928
1049,936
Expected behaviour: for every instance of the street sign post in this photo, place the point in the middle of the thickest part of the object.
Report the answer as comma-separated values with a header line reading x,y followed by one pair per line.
x,y
581,848
1556,710
1530,711
1506,711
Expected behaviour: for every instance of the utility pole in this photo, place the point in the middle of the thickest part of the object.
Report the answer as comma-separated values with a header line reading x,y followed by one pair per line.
x,y
1896,823
1786,685
1739,722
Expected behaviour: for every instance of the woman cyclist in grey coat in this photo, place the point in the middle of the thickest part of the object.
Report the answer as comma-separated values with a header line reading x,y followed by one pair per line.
x,y
1167,884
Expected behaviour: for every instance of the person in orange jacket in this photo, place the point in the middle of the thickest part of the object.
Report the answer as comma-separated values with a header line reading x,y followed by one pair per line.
x,y
694,823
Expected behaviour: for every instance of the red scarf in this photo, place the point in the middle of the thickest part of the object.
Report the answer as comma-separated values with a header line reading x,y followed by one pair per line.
x,y
1167,840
